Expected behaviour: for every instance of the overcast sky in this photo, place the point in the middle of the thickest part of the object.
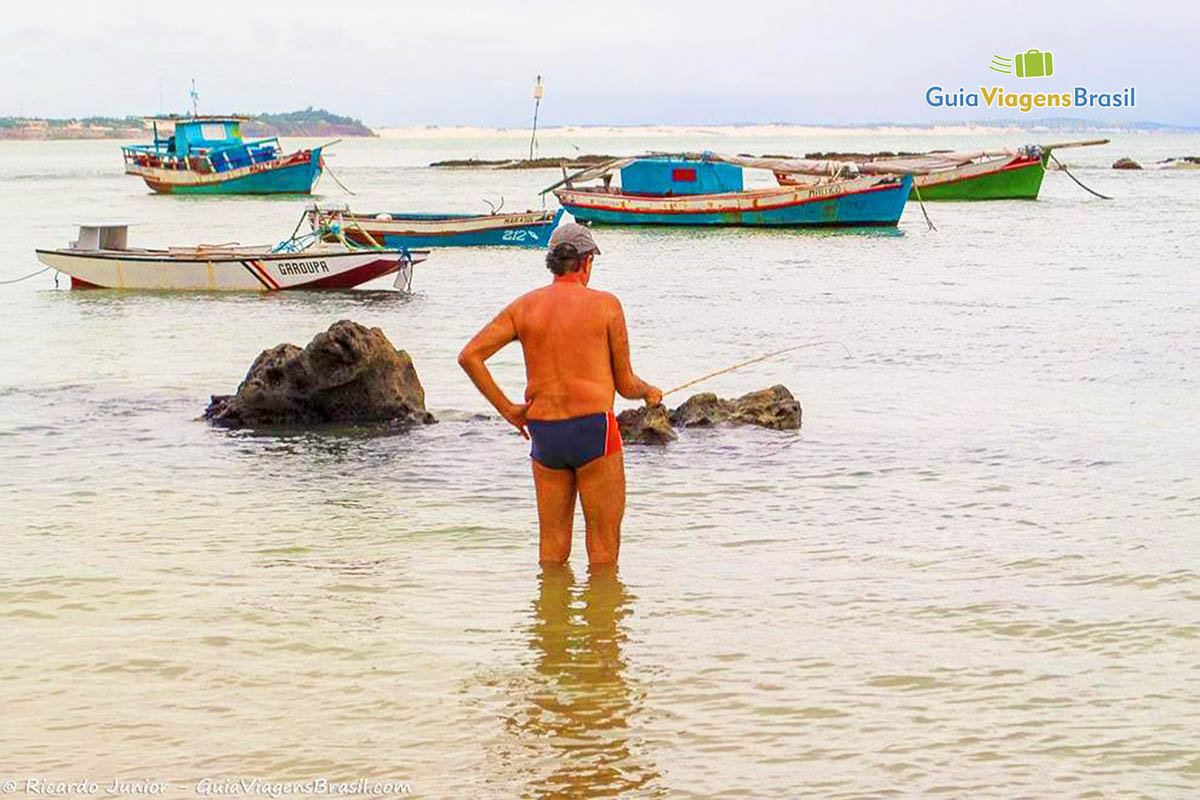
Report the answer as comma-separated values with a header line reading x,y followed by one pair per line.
x,y
446,62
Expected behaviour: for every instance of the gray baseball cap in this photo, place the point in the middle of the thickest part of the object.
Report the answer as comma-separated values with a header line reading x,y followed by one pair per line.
x,y
574,234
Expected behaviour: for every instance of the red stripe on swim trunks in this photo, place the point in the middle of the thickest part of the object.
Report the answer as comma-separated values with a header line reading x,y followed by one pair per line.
x,y
612,434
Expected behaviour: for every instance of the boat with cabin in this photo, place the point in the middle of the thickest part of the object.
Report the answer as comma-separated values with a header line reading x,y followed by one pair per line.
x,y
102,259
207,155
708,189
530,229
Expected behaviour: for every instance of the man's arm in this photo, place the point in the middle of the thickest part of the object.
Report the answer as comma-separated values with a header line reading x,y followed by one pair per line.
x,y
628,384
495,335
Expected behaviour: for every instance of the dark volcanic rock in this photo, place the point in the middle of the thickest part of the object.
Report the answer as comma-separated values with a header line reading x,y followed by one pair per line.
x,y
1126,163
770,408
349,374
700,411
643,425
774,408
573,162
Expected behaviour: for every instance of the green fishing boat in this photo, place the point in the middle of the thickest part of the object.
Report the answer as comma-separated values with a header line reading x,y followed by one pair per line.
x,y
963,175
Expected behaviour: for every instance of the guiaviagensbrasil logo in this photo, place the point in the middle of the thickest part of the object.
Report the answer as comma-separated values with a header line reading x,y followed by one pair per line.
x,y
1031,63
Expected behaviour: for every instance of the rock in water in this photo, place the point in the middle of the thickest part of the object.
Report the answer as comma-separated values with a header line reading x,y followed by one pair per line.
x,y
770,408
644,425
350,374
1126,163
701,411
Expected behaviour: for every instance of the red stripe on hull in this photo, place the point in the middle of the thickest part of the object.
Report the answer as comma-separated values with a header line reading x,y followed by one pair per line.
x,y
79,283
266,276
351,278
1007,167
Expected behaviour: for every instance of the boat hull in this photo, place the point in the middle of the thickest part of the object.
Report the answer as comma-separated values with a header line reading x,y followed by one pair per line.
x,y
851,203
1019,178
291,174
246,273
530,230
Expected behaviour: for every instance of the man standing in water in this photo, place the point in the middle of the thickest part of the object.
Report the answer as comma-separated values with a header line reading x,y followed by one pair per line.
x,y
576,356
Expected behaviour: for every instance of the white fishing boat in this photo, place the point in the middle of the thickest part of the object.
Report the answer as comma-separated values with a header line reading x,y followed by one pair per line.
x,y
101,259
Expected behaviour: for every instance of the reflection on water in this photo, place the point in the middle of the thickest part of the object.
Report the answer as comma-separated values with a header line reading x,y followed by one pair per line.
x,y
576,713
186,300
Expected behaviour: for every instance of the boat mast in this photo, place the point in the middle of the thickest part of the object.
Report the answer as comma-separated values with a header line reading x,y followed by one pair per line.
x,y
537,101
195,97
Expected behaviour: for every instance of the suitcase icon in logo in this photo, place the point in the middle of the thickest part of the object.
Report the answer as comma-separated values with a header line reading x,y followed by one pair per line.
x,y
1034,64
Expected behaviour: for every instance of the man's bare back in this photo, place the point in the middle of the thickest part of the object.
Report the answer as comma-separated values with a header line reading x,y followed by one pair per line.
x,y
566,331
576,358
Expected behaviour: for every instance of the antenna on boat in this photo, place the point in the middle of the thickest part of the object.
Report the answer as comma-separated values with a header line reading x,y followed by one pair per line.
x,y
195,98
537,102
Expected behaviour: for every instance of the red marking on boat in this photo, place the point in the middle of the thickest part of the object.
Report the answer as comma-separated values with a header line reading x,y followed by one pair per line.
x,y
257,273
351,278
274,284
79,283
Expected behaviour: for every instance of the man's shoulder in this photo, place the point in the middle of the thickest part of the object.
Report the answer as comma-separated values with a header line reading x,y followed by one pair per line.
x,y
529,297
606,298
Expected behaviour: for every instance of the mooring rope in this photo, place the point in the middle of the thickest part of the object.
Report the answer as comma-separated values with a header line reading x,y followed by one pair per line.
x,y
747,363
1063,167
27,277
339,183
917,192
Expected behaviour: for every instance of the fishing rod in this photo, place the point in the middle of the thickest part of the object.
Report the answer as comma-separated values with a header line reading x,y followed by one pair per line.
x,y
755,360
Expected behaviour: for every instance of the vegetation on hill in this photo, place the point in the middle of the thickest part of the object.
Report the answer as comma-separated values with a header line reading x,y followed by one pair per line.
x,y
309,122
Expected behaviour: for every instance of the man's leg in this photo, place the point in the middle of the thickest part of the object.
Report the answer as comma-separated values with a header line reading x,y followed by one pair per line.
x,y
602,491
556,512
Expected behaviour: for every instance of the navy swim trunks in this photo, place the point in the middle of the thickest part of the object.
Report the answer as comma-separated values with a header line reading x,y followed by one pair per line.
x,y
571,443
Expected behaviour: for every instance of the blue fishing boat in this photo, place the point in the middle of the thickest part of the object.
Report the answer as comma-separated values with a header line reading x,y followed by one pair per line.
x,y
207,155
708,189
523,229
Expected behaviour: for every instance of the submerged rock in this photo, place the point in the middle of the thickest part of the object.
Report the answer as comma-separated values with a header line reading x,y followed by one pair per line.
x,y
349,374
1126,163
773,408
770,408
700,411
645,425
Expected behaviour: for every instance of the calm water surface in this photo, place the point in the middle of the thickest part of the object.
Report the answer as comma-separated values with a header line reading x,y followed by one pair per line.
x,y
973,574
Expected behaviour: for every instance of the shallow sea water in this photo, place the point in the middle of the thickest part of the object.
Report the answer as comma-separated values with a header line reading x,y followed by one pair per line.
x,y
972,574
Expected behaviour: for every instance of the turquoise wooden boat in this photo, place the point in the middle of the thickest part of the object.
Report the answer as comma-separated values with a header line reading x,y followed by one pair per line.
x,y
529,229
207,155
707,189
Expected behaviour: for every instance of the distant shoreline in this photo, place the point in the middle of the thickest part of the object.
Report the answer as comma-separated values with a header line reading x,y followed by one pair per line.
x,y
65,130
769,130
